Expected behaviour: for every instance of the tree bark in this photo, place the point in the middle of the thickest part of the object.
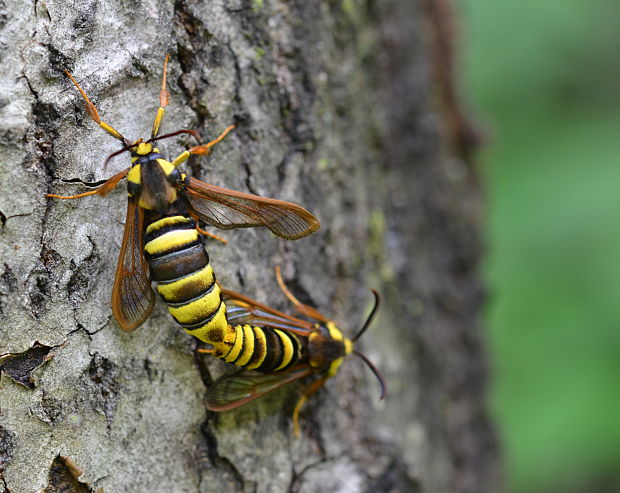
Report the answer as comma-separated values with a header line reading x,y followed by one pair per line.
x,y
338,106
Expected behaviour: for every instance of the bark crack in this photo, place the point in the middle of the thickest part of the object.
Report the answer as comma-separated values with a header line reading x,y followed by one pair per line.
x,y
84,275
248,178
20,367
221,462
64,476
90,184
8,443
296,477
103,373
44,133
4,219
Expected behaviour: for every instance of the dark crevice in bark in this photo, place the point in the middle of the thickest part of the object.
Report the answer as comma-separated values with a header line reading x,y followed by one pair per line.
x,y
44,132
466,135
394,477
222,463
203,368
25,214
63,477
240,276
20,367
41,282
53,409
8,284
8,280
297,476
103,374
57,60
148,369
281,169
89,184
8,443
248,178
80,328
85,276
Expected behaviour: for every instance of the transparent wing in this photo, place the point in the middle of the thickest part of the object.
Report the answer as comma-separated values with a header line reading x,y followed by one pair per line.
x,y
233,391
241,309
132,295
228,209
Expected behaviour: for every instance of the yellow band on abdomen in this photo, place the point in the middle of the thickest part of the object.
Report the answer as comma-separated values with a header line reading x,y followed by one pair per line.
x,y
197,310
187,287
173,240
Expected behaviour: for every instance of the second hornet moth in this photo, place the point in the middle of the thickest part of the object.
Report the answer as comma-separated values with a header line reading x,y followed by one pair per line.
x,y
280,348
161,240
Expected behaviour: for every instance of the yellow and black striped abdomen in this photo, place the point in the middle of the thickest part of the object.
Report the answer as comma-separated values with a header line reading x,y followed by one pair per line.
x,y
260,348
180,265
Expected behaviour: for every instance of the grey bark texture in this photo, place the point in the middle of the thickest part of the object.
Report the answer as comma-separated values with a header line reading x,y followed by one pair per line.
x,y
338,108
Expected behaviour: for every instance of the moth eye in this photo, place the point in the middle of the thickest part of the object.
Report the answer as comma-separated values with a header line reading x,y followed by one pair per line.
x,y
174,176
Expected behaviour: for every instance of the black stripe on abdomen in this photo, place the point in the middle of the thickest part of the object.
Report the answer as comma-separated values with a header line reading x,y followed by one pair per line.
x,y
180,265
262,348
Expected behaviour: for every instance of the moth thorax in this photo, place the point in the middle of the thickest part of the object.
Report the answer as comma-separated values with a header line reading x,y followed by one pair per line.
x,y
323,349
144,148
156,191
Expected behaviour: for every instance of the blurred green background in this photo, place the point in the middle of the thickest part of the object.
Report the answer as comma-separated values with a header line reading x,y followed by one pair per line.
x,y
544,76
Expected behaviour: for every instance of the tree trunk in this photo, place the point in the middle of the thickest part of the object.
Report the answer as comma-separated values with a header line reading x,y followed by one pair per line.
x,y
345,107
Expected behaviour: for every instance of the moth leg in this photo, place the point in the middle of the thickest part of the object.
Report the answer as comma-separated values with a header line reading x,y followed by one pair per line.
x,y
94,114
211,235
310,389
202,149
203,232
101,190
164,97
303,309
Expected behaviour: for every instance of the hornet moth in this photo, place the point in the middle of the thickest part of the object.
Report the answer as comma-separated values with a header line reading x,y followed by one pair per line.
x,y
161,241
281,349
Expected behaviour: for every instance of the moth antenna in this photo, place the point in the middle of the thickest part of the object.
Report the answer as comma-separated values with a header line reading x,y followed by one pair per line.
x,y
194,133
127,147
370,317
376,372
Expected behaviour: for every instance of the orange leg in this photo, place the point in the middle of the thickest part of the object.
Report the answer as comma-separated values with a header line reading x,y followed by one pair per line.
x,y
164,97
311,389
303,309
211,235
202,149
203,232
94,114
206,351
206,148
78,196
102,190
